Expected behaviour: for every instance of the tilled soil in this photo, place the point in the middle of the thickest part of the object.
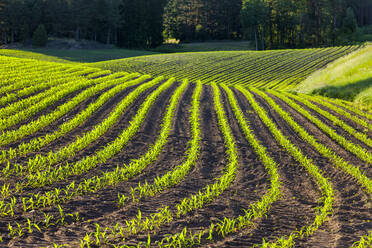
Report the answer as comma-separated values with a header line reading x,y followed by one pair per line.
x,y
300,196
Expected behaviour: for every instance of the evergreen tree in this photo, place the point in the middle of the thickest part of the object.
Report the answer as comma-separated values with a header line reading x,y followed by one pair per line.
x,y
349,23
254,16
145,23
141,23
40,37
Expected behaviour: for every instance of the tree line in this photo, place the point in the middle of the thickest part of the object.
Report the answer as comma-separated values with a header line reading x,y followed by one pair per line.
x,y
147,23
303,23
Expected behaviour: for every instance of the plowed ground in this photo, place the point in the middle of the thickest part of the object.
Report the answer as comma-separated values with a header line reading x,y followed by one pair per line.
x,y
349,221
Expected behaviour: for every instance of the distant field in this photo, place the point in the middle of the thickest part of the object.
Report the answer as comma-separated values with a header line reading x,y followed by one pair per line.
x,y
91,158
206,46
74,55
278,69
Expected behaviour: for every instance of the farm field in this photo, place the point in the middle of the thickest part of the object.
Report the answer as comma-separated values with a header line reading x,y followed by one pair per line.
x,y
73,55
278,69
195,151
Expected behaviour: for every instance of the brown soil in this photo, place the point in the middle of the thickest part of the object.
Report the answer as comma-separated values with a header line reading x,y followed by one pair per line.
x,y
351,217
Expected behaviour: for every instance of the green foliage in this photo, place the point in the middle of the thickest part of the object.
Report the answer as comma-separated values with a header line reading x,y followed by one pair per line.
x,y
254,16
141,23
349,23
145,23
202,19
40,36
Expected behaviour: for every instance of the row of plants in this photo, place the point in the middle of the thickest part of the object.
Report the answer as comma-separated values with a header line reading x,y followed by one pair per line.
x,y
242,67
121,173
363,137
224,227
303,71
41,141
325,187
177,174
33,72
55,196
284,68
57,173
347,106
281,68
356,149
32,203
44,163
92,87
327,152
15,103
269,73
356,119
166,214
53,80
219,67
338,161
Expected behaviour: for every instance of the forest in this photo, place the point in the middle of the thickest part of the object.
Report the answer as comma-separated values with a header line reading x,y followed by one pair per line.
x,y
148,23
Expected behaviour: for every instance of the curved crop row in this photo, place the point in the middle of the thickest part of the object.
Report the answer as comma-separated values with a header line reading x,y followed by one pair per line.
x,y
339,103
21,104
356,149
257,210
59,173
325,187
243,67
41,162
37,143
36,201
174,176
45,120
338,161
362,122
363,137
165,214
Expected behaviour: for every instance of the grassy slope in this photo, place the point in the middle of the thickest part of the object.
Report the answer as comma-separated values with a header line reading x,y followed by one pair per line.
x,y
348,78
76,55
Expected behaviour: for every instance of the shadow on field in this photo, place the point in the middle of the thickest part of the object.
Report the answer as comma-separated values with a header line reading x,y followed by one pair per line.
x,y
346,92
